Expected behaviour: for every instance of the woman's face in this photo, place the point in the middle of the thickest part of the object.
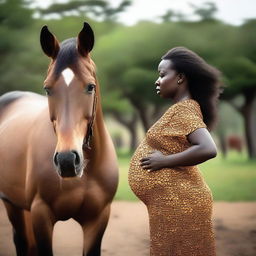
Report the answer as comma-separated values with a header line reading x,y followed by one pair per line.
x,y
167,83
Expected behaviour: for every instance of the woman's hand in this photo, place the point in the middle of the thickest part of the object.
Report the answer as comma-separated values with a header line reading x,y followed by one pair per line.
x,y
153,162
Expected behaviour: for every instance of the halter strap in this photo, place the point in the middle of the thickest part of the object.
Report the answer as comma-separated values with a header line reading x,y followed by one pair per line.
x,y
89,134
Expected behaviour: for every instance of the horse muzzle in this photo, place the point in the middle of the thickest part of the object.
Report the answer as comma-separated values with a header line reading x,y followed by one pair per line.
x,y
68,164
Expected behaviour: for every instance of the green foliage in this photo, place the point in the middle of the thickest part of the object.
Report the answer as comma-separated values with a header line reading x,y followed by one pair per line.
x,y
132,79
231,179
124,52
248,42
126,57
206,12
245,74
99,8
15,18
14,14
124,192
23,65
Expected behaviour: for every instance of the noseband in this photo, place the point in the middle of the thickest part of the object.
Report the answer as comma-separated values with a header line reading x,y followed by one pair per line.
x,y
89,134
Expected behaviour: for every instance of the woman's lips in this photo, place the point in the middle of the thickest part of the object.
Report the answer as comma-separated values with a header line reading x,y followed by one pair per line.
x,y
158,89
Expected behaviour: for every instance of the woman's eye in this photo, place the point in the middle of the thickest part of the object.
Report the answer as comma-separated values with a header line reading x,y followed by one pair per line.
x,y
90,88
47,91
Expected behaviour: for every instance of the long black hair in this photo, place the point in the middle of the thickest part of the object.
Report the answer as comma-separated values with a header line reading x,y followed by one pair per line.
x,y
203,80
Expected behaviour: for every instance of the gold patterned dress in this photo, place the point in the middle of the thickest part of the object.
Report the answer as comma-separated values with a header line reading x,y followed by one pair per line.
x,y
178,200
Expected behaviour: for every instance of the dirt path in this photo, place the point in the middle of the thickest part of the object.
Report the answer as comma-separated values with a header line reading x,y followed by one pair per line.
x,y
127,232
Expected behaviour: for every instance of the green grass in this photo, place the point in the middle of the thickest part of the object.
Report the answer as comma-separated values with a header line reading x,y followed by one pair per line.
x,y
230,179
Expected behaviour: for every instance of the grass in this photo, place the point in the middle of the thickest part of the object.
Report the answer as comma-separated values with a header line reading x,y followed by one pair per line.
x,y
231,179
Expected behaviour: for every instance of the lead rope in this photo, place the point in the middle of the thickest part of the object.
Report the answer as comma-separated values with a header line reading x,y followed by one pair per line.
x,y
89,134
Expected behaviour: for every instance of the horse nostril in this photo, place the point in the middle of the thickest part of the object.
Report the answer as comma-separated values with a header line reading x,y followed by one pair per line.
x,y
67,163
77,157
55,159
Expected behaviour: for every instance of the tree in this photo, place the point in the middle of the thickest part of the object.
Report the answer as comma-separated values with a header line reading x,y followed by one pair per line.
x,y
15,14
119,108
98,8
15,18
168,16
205,12
171,16
248,31
239,68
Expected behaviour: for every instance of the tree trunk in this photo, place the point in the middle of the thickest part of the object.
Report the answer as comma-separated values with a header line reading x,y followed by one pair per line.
x,y
247,112
143,113
144,118
134,138
131,126
223,143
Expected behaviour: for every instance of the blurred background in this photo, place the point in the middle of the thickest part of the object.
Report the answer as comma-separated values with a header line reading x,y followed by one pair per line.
x,y
131,36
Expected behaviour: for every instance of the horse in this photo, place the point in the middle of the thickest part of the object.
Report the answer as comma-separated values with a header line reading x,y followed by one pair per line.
x,y
235,142
57,159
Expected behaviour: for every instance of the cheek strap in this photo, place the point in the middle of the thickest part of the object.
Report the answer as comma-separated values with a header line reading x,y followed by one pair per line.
x,y
89,134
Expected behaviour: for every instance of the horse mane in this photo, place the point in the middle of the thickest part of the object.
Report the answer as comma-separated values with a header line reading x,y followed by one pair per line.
x,y
67,55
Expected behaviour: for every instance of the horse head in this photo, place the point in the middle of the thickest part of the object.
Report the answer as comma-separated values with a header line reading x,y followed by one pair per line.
x,y
71,88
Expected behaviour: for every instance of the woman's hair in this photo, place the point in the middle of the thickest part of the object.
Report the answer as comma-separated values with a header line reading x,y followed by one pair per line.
x,y
203,80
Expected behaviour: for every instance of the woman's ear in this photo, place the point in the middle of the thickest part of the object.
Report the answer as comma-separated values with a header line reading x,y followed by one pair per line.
x,y
181,78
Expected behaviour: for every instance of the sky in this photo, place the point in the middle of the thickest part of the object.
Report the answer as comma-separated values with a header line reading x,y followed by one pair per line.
x,y
230,11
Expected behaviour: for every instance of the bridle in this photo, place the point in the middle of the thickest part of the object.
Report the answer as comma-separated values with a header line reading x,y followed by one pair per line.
x,y
89,134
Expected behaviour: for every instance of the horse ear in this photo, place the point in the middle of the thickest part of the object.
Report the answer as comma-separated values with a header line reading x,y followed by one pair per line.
x,y
85,40
49,43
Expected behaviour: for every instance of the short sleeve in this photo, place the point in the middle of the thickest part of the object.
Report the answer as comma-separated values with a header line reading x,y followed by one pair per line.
x,y
187,117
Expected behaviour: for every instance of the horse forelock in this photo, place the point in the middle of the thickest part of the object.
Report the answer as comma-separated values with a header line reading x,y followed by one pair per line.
x,y
67,56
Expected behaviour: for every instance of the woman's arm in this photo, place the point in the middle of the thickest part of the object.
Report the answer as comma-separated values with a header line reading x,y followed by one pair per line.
x,y
202,148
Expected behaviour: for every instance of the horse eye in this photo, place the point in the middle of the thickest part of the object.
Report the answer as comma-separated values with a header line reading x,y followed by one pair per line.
x,y
90,88
47,91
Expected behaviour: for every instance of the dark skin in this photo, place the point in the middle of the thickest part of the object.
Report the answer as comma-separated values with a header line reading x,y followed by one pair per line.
x,y
174,85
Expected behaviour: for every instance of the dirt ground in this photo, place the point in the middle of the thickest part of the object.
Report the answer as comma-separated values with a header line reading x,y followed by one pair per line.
x,y
127,233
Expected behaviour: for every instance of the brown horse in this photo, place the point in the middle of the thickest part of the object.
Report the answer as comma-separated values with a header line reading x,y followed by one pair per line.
x,y
51,166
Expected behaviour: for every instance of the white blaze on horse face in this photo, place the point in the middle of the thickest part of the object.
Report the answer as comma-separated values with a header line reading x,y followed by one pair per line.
x,y
68,75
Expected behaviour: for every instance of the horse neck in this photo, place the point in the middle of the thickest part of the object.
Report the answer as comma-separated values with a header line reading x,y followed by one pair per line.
x,y
99,124
101,145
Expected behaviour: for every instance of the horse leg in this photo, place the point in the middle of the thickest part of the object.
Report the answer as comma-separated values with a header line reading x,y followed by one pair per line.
x,y
43,222
32,250
16,217
93,231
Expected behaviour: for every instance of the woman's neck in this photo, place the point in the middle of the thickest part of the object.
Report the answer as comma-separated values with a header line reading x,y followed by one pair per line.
x,y
182,97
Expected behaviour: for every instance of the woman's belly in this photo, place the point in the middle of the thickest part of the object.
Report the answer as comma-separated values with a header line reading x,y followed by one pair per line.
x,y
176,183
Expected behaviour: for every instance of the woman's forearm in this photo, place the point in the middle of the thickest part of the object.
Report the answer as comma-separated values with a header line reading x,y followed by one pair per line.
x,y
194,155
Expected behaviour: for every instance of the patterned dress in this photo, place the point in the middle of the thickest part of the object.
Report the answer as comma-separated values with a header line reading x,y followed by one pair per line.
x,y
178,200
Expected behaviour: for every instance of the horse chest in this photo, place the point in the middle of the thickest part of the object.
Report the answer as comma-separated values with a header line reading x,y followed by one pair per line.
x,y
67,204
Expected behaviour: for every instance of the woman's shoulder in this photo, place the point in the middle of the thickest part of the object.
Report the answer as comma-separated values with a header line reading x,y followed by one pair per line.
x,y
187,106
187,117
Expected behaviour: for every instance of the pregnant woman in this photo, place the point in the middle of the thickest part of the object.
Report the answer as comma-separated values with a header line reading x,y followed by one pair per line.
x,y
163,171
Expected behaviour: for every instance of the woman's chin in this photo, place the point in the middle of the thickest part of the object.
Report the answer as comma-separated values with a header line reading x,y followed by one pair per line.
x,y
160,94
